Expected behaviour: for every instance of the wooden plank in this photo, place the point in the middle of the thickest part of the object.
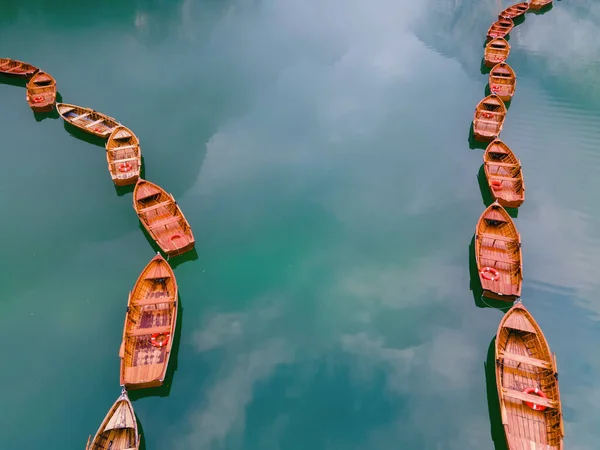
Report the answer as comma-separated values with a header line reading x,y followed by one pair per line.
x,y
153,301
496,237
81,116
117,161
526,359
125,147
518,395
494,163
161,223
94,123
153,207
500,177
145,331
499,258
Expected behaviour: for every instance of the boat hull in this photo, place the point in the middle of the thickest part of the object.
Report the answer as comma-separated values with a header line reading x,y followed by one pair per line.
x,y
491,63
484,137
126,181
540,5
22,70
506,203
496,296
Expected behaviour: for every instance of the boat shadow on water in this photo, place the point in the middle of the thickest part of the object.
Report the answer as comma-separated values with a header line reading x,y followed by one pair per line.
x,y
174,261
165,389
476,288
83,136
485,70
541,11
486,195
474,144
13,81
496,428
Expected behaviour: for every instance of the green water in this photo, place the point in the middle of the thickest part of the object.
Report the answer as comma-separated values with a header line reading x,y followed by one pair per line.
x,y
320,151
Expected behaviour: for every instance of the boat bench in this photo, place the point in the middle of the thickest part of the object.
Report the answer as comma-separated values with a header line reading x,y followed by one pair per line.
x,y
499,258
81,116
152,330
518,395
118,161
153,207
496,237
525,359
494,163
164,222
500,177
125,147
154,301
91,124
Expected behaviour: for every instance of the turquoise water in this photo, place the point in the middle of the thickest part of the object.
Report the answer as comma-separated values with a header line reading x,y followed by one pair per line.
x,y
320,152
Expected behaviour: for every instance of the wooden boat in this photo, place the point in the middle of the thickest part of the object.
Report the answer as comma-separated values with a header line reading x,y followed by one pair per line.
x,y
123,156
500,28
41,92
539,4
14,68
161,217
489,118
527,383
118,430
87,119
149,326
504,175
496,51
498,254
502,81
514,11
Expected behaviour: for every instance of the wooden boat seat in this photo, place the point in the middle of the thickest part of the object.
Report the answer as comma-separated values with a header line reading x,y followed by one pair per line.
x,y
125,147
500,177
500,258
91,124
154,301
502,164
518,395
158,205
525,359
164,222
81,116
496,237
152,330
116,161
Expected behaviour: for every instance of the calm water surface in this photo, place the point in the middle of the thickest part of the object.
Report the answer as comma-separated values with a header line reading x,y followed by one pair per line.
x,y
320,151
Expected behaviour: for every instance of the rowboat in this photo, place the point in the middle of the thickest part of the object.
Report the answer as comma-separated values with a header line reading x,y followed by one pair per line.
x,y
149,326
161,217
500,28
504,175
123,156
489,118
527,383
539,4
14,68
118,430
514,11
496,51
498,254
502,81
87,119
41,92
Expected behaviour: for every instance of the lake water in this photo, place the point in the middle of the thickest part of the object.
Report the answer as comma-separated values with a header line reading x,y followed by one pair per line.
x,y
320,151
